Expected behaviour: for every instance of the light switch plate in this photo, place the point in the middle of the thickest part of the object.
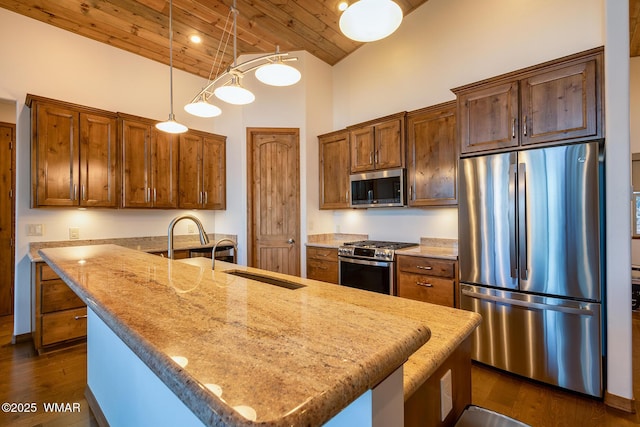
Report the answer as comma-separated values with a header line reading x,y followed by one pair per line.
x,y
35,229
446,396
74,233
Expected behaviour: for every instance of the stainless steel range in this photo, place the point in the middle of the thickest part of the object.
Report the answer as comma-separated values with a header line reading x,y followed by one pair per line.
x,y
369,265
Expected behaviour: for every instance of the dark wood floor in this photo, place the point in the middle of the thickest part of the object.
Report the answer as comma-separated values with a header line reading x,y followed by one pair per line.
x,y
60,377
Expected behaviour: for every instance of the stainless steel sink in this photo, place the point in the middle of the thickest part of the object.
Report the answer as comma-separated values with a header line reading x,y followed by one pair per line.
x,y
265,279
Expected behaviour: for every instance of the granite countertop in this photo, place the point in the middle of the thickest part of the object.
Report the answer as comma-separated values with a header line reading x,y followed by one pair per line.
x,y
433,248
145,244
333,240
297,357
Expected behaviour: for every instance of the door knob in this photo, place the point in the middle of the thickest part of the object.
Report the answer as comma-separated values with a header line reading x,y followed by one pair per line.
x,y
291,241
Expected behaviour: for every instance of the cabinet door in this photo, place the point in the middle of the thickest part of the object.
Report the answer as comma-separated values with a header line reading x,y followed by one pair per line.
x,y
560,104
214,172
389,148
362,149
488,118
334,171
190,181
432,156
98,161
136,148
55,161
164,170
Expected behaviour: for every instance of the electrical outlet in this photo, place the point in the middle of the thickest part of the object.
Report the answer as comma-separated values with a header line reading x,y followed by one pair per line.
x,y
74,233
191,228
446,396
35,230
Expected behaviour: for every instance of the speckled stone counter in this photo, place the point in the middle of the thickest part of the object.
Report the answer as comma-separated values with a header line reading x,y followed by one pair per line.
x,y
333,240
297,357
145,244
433,248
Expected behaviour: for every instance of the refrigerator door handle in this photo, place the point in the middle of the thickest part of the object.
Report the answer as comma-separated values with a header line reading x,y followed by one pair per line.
x,y
522,220
512,221
529,304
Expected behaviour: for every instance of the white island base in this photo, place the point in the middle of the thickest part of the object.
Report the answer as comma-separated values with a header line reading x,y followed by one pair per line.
x,y
123,390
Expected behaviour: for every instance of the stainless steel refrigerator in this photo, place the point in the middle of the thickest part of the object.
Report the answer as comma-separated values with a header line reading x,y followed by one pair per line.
x,y
530,262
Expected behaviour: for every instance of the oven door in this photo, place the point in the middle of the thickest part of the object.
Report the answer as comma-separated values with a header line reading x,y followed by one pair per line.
x,y
376,276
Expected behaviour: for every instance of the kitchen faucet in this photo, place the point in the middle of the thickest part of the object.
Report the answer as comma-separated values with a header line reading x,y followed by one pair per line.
x,y
203,235
213,253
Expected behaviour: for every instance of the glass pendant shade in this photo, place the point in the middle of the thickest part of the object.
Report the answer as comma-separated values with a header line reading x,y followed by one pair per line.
x,y
278,74
370,20
234,94
202,108
171,126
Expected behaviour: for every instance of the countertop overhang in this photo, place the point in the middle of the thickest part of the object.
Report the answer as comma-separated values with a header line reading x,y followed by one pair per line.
x,y
294,356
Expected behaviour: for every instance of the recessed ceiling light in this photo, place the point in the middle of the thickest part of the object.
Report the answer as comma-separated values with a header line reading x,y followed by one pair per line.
x,y
342,5
195,38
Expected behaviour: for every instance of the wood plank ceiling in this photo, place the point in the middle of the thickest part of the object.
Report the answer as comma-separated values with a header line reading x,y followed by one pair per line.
x,y
141,27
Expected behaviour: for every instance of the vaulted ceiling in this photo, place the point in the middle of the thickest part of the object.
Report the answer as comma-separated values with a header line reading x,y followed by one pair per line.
x,y
141,27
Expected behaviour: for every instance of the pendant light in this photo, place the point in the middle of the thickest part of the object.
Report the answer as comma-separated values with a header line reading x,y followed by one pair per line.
x,y
270,69
370,20
171,125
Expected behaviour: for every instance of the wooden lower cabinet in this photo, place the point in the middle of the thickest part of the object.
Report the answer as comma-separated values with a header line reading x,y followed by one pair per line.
x,y
322,264
60,316
427,279
422,408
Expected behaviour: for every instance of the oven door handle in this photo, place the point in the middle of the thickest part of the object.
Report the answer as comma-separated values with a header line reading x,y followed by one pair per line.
x,y
364,262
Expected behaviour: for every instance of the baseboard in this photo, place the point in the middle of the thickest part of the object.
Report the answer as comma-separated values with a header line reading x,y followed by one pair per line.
x,y
95,408
618,402
21,338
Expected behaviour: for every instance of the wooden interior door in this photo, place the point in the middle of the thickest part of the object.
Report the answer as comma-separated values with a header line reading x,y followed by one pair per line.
x,y
7,216
273,158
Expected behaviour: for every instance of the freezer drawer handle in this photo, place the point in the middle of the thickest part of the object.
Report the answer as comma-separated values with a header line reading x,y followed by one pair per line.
x,y
528,304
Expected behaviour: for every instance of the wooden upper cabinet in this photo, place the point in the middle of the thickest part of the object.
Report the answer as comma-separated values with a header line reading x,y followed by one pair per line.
x,y
149,165
558,101
560,104
334,170
99,178
202,171
432,156
378,144
488,118
74,161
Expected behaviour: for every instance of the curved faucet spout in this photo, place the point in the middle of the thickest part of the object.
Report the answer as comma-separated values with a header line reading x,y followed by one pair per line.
x,y
204,239
213,252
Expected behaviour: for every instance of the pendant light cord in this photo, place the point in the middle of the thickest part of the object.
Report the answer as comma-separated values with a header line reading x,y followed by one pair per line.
x,y
171,57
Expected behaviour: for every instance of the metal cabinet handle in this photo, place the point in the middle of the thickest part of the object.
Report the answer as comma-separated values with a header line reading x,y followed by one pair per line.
x,y
80,317
524,125
424,284
513,128
206,197
422,267
84,192
371,157
346,196
74,196
155,195
200,197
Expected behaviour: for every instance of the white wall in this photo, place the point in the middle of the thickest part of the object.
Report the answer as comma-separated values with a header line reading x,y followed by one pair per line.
x,y
634,112
7,111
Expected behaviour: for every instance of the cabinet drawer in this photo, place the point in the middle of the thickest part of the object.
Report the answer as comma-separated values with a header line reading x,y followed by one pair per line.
x,y
56,296
328,254
47,273
429,266
426,288
63,326
326,271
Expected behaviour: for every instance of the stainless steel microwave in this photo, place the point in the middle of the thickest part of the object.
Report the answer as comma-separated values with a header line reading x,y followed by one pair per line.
x,y
378,189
